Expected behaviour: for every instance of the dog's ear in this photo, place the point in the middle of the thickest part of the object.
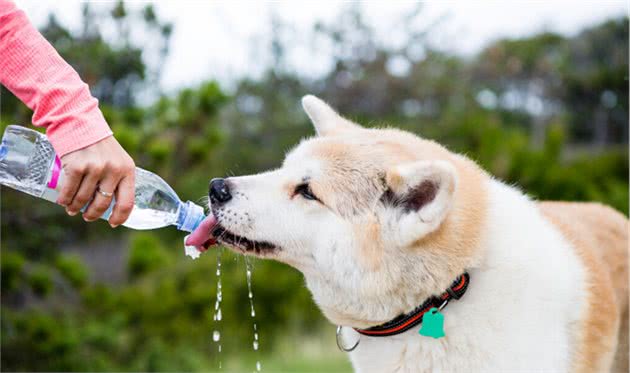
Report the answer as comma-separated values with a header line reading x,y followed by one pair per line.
x,y
325,120
422,194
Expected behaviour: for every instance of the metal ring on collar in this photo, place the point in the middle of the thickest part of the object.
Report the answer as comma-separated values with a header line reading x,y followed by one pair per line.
x,y
340,341
443,305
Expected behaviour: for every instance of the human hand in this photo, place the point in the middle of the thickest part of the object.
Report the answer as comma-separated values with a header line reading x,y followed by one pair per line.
x,y
99,171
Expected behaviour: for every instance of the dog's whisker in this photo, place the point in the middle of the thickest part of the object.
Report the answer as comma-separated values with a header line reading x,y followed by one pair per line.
x,y
203,201
221,235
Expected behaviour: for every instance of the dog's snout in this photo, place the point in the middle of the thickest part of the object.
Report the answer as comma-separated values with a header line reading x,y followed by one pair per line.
x,y
219,191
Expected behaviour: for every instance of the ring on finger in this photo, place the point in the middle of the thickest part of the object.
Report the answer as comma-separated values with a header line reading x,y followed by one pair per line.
x,y
103,193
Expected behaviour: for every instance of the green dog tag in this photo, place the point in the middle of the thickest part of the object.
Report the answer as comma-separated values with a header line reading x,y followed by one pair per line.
x,y
432,324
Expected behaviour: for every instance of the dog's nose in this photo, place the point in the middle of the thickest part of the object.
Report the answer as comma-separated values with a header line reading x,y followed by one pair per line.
x,y
219,191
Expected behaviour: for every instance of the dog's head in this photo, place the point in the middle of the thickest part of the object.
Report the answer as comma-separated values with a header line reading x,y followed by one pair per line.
x,y
376,219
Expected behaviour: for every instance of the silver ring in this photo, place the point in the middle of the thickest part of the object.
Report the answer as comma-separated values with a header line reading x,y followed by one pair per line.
x,y
105,194
340,341
443,305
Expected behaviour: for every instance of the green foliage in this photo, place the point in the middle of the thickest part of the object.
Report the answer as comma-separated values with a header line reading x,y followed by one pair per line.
x,y
12,265
40,341
145,254
40,281
72,269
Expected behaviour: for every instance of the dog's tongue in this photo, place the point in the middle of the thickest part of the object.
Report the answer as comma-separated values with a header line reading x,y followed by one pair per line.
x,y
203,233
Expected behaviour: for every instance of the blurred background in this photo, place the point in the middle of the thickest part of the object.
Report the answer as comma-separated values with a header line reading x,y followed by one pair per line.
x,y
536,92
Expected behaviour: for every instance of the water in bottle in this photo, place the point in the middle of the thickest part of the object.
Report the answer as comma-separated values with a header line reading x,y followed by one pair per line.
x,y
28,163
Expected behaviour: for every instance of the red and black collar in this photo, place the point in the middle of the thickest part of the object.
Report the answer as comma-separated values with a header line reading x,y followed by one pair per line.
x,y
409,320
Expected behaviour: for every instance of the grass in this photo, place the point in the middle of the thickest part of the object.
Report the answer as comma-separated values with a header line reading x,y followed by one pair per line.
x,y
294,354
287,364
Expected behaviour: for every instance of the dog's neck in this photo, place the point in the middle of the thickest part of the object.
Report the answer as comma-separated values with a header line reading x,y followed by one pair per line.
x,y
373,300
404,322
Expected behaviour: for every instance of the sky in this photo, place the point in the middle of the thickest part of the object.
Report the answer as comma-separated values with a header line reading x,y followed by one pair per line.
x,y
225,40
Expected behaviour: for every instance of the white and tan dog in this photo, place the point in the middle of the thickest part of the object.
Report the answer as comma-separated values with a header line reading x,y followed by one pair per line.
x,y
380,220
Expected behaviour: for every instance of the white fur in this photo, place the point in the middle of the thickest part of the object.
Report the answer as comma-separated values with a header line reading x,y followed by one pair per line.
x,y
518,313
324,118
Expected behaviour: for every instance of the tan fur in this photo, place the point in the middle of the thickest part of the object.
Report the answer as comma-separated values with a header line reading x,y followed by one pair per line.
x,y
459,236
369,234
600,237
394,179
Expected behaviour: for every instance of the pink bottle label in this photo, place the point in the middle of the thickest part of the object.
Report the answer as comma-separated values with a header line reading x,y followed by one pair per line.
x,y
56,171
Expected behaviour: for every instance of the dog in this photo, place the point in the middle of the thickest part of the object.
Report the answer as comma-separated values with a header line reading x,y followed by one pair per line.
x,y
388,227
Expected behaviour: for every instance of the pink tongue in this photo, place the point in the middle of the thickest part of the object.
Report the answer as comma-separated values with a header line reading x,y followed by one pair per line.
x,y
203,232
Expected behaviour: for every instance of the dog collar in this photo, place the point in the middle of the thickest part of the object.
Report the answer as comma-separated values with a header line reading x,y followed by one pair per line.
x,y
409,320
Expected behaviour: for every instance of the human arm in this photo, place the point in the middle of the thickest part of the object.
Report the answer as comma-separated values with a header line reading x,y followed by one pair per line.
x,y
61,102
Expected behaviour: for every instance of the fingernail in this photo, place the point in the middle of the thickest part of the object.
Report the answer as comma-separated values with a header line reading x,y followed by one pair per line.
x,y
87,219
71,213
113,225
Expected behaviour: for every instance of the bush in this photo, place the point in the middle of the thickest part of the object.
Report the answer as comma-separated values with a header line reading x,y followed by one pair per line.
x,y
40,281
146,254
12,264
72,269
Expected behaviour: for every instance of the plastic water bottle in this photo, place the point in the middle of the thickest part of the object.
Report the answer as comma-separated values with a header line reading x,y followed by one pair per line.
x,y
28,163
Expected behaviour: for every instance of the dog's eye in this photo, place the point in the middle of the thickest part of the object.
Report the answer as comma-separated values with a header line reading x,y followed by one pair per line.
x,y
305,191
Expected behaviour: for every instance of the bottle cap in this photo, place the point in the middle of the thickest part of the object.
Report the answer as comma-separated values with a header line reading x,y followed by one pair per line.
x,y
190,216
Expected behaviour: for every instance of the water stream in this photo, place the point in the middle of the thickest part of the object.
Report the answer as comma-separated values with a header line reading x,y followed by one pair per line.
x,y
216,335
250,295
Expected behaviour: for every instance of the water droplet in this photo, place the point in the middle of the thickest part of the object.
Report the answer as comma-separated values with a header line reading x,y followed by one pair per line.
x,y
251,295
216,336
253,313
258,366
255,344
219,315
256,336
219,348
219,271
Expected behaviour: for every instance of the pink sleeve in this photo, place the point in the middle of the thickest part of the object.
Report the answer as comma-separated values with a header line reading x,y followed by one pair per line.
x,y
32,69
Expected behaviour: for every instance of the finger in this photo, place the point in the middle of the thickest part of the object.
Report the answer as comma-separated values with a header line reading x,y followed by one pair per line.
x,y
125,194
85,192
72,179
101,202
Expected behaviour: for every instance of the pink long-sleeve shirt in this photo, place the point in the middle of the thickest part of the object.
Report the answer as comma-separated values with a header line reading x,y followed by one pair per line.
x,y
33,70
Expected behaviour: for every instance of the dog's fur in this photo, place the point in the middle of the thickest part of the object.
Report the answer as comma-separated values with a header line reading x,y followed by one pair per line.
x,y
398,218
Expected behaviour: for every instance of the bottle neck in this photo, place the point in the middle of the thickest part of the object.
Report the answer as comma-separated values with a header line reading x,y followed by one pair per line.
x,y
189,217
